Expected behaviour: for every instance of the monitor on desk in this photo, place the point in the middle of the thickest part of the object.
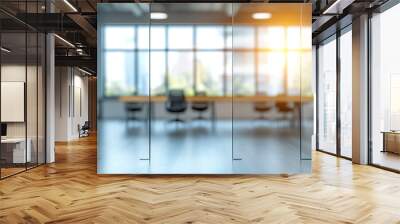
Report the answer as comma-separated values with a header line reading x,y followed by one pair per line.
x,y
3,130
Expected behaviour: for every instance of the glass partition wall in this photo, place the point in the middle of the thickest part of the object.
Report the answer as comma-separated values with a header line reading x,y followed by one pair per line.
x,y
204,88
22,95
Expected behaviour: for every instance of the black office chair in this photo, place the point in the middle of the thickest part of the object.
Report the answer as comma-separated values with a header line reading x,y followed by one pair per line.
x,y
200,106
84,129
262,107
132,109
176,103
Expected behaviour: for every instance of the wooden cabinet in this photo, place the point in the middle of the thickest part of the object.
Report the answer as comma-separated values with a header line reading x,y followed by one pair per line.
x,y
391,142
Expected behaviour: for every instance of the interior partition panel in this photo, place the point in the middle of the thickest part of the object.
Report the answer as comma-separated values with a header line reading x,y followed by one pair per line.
x,y
15,152
124,106
268,54
204,88
22,88
191,130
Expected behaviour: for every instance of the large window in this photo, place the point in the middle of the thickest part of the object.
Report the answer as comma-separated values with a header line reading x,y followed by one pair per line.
x,y
385,89
120,45
199,58
327,96
335,107
346,94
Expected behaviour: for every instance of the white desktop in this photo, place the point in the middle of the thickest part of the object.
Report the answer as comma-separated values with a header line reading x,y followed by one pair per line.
x,y
19,155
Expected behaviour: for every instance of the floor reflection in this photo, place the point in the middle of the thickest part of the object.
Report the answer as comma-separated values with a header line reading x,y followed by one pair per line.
x,y
197,146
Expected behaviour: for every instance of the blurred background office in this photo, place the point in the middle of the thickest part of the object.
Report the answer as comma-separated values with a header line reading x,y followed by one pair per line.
x,y
204,85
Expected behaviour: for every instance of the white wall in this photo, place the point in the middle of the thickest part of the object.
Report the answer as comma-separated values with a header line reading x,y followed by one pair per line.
x,y
33,126
12,73
71,102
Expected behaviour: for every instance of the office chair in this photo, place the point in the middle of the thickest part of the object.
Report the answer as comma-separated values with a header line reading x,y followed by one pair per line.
x,y
284,108
176,103
84,130
200,106
262,107
132,109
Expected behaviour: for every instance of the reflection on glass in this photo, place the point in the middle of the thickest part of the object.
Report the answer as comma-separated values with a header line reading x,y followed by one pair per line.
x,y
327,97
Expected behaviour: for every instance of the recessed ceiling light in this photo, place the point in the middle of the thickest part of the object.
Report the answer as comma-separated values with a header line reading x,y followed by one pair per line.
x,y
158,15
261,15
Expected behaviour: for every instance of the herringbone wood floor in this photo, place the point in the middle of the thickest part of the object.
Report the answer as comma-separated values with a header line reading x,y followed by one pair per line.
x,y
70,191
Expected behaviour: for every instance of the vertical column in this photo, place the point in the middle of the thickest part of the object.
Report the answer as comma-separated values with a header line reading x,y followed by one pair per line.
x,y
50,99
360,90
50,92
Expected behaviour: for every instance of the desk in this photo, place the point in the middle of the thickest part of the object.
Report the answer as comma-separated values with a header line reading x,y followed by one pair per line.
x,y
391,141
298,100
239,99
15,148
